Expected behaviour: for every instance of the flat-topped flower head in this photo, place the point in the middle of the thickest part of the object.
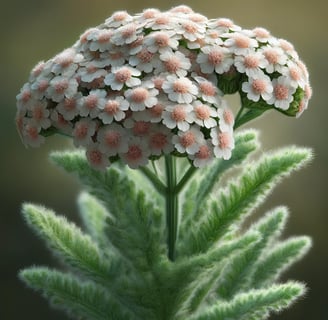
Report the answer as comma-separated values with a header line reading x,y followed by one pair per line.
x,y
141,86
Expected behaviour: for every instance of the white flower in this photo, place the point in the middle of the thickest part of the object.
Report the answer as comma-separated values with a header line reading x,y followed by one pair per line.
x,y
191,30
181,89
69,107
240,43
61,87
137,154
223,25
83,131
25,98
282,93
204,115
40,86
90,104
188,141
226,118
40,114
294,74
179,115
96,158
125,34
141,98
257,88
159,140
161,41
91,72
223,143
208,91
263,35
102,40
112,139
214,58
118,19
121,76
139,128
276,58
175,62
162,21
59,122
204,156
114,57
31,134
251,64
66,62
144,60
113,109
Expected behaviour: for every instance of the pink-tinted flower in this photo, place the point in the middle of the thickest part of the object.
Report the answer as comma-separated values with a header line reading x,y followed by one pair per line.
x,y
204,114
179,115
282,93
121,76
83,131
113,109
257,88
204,156
96,158
137,154
188,141
223,143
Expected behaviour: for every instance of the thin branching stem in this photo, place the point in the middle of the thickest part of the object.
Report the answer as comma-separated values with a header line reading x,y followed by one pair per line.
x,y
171,199
154,179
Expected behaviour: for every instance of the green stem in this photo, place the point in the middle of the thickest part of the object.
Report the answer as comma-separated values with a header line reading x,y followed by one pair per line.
x,y
171,199
157,183
185,178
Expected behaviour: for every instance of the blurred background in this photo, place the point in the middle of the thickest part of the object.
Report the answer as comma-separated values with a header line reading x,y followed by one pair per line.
x,y
34,30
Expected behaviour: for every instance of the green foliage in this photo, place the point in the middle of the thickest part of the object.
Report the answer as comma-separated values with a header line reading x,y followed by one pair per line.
x,y
118,267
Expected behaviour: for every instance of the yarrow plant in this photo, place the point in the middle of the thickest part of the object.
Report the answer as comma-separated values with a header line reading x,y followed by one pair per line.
x,y
149,91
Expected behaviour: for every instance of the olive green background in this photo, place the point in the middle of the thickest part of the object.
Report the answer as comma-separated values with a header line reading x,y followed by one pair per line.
x,y
33,30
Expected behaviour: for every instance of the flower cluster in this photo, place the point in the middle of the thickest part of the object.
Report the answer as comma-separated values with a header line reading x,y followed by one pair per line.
x,y
138,87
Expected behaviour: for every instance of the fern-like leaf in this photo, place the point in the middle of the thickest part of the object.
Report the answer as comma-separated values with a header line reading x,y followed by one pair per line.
x,y
68,242
254,304
278,259
241,198
79,299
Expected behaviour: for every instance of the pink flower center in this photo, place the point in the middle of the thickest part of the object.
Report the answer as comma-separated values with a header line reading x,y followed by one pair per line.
x,y
112,139
162,20
228,116
69,104
61,86
202,112
158,82
120,16
149,14
116,55
157,110
251,62
139,95
123,75
215,57
38,113
112,107
272,56
181,86
81,130
141,128
224,23
145,56
43,85
190,27
136,43
261,33
285,45
242,42
95,157
295,73
187,139
203,152
224,140
172,64
134,153
104,37
207,89
213,34
158,140
91,68
178,114
91,101
162,40
259,86
281,92
128,31
26,96
32,132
